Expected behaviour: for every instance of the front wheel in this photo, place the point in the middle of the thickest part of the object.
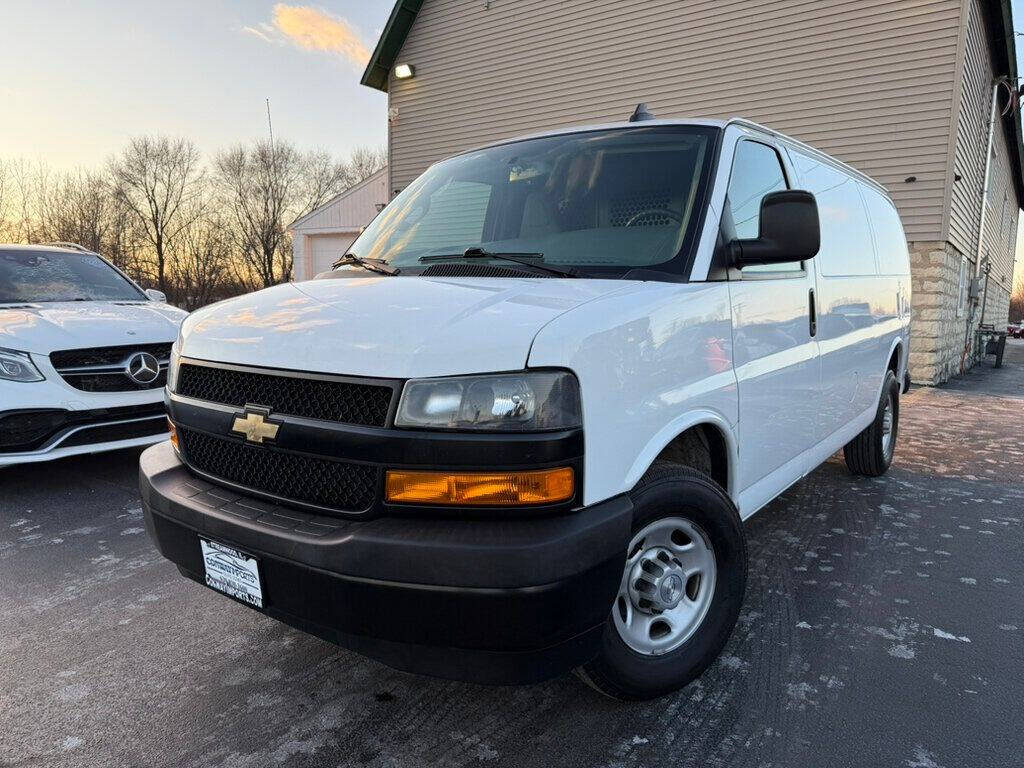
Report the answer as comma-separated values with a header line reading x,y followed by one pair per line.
x,y
870,453
681,590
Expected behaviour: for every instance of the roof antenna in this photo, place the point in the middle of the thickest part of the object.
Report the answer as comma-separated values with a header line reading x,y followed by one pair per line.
x,y
641,113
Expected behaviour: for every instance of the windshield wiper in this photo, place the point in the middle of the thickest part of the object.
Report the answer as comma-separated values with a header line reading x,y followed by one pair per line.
x,y
373,265
526,259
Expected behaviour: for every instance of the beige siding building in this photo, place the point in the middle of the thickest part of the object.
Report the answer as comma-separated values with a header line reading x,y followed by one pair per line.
x,y
900,89
321,236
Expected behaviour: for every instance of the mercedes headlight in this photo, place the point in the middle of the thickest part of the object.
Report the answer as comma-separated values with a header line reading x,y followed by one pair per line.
x,y
18,366
510,402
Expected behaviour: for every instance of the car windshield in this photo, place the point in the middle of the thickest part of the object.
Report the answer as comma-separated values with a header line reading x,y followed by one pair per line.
x,y
36,275
602,202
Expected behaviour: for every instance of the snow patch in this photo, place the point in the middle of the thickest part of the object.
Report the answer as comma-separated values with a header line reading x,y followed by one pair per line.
x,y
949,636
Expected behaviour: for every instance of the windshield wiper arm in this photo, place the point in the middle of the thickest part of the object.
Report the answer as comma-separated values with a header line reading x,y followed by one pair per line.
x,y
527,259
373,265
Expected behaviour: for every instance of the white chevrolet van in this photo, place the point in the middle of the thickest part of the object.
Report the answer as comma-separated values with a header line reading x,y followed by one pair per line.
x,y
517,429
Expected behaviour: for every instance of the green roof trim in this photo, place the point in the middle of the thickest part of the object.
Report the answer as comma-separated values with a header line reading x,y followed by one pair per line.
x,y
390,44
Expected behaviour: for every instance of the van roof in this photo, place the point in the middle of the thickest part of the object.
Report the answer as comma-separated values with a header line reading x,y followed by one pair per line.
x,y
711,123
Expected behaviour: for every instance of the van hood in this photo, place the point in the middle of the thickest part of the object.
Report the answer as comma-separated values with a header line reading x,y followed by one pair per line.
x,y
388,327
48,326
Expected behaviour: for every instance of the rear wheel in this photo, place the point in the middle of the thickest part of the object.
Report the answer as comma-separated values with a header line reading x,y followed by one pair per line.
x,y
870,453
682,587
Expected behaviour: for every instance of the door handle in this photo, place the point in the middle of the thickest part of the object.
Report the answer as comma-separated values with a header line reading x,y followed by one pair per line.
x,y
813,312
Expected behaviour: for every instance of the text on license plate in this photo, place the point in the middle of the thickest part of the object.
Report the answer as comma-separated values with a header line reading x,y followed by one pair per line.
x,y
232,572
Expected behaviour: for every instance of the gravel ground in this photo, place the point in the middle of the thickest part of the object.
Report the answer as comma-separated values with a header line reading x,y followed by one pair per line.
x,y
883,626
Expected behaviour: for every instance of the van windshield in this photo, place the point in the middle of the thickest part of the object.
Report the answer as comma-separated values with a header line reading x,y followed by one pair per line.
x,y
602,202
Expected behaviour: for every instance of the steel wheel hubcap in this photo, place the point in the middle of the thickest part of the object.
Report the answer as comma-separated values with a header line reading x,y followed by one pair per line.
x,y
887,424
666,587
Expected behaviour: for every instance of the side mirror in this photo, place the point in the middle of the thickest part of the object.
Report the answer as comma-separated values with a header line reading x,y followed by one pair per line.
x,y
155,295
789,230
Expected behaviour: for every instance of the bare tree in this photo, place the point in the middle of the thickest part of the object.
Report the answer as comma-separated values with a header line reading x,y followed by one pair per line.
x,y
201,264
1017,301
199,236
364,162
5,200
266,186
24,181
76,207
157,178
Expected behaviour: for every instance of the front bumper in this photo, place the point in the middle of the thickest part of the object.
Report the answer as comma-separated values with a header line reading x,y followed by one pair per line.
x,y
503,600
43,434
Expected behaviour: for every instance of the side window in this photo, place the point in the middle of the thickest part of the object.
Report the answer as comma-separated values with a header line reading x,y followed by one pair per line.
x,y
756,171
454,216
846,246
890,242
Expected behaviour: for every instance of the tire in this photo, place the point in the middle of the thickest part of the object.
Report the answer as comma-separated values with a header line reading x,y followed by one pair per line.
x,y
869,453
667,494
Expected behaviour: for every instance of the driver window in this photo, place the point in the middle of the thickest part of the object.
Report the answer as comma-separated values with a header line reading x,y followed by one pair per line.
x,y
756,171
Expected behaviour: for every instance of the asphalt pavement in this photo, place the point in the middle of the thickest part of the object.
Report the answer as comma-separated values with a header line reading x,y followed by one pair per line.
x,y
883,626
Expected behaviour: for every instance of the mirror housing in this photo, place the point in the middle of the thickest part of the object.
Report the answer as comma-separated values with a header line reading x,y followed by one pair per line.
x,y
790,230
155,295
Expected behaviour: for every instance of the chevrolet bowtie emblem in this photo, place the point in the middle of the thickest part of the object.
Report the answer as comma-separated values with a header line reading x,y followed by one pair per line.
x,y
254,423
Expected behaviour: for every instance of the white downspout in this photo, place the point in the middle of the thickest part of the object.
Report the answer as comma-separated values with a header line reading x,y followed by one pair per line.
x,y
988,173
981,224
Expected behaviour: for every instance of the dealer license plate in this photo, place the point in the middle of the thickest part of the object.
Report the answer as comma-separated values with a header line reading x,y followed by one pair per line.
x,y
232,572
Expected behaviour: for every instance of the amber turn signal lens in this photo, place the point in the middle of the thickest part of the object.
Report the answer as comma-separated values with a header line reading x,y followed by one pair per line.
x,y
173,430
545,486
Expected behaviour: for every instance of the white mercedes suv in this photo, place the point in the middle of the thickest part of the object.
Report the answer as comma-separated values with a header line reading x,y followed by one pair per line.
x,y
83,355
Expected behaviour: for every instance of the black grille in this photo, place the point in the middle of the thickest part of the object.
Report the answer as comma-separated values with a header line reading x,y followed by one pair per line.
x,y
110,382
346,402
330,484
99,356
110,432
103,367
28,430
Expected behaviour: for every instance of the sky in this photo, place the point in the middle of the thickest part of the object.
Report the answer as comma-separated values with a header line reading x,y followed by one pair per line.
x,y
79,77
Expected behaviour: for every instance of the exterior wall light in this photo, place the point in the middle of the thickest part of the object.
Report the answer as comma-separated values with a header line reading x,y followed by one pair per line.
x,y
404,71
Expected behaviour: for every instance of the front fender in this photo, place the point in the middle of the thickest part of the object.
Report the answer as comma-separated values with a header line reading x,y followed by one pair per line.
x,y
651,360
686,421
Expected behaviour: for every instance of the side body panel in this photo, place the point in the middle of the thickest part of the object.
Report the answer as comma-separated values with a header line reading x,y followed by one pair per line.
x,y
777,372
652,361
857,308
800,399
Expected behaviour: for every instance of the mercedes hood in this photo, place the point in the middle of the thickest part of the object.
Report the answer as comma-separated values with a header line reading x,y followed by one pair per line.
x,y
48,326
388,327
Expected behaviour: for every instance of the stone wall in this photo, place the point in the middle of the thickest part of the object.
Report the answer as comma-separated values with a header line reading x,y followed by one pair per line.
x,y
937,332
997,305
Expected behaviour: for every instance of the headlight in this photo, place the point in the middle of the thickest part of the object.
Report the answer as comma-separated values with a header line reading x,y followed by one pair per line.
x,y
172,366
18,366
514,402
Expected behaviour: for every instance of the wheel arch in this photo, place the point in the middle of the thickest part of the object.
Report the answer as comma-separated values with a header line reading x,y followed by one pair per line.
x,y
897,357
716,431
